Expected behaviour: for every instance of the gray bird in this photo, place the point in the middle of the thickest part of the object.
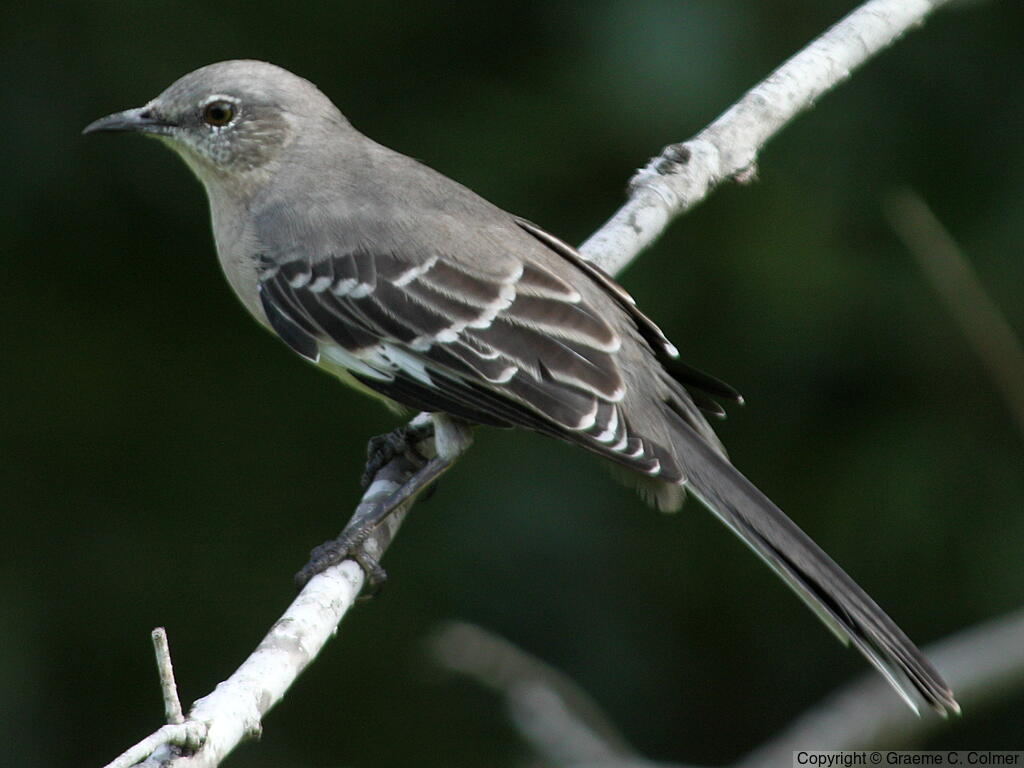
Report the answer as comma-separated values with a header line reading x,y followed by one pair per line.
x,y
411,287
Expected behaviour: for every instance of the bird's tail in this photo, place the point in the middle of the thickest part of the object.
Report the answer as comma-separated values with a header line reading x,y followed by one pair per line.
x,y
837,600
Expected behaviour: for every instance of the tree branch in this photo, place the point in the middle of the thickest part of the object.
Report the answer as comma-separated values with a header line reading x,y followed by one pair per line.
x,y
234,711
982,663
553,714
669,185
564,726
683,174
957,284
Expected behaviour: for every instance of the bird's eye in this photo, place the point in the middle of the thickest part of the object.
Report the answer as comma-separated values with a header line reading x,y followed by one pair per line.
x,y
218,113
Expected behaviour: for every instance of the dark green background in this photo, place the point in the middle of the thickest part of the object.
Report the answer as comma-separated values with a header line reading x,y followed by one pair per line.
x,y
167,462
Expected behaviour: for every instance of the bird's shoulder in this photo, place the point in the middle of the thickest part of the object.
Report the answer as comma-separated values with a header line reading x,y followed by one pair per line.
x,y
370,198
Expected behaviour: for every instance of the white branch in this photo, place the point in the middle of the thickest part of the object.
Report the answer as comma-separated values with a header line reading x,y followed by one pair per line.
x,y
172,704
668,186
683,174
235,709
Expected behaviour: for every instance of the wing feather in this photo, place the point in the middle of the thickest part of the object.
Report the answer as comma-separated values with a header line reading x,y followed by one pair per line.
x,y
566,320
454,281
569,362
514,344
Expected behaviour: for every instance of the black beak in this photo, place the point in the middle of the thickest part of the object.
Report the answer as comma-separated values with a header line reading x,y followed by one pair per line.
x,y
140,120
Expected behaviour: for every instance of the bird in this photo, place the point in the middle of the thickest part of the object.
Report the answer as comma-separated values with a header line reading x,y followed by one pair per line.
x,y
410,287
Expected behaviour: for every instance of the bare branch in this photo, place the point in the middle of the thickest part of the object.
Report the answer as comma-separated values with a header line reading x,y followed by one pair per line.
x,y
567,728
233,712
161,745
683,174
668,186
172,704
957,284
560,721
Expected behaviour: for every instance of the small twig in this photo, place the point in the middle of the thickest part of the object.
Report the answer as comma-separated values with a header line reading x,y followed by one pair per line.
x,y
957,284
169,689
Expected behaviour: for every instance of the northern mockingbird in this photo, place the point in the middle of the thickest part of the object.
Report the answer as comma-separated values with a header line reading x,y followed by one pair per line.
x,y
411,287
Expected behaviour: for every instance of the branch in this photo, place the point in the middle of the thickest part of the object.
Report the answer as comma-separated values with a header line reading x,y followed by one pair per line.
x,y
566,728
234,711
957,284
164,668
553,714
683,174
983,664
669,185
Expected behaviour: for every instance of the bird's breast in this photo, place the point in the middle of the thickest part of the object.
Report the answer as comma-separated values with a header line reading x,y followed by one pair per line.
x,y
238,251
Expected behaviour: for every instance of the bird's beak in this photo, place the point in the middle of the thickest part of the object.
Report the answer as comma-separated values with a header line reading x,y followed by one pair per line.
x,y
140,120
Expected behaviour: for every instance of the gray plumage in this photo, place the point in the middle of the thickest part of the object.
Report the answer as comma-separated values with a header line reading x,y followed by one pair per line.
x,y
411,287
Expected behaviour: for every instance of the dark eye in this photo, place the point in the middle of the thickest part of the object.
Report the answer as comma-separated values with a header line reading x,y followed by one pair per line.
x,y
218,113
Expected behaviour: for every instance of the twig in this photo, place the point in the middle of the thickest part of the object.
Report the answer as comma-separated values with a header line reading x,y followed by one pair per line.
x,y
668,186
957,284
169,689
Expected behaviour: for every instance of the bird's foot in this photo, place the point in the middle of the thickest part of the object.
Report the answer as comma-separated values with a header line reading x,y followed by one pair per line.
x,y
381,449
349,545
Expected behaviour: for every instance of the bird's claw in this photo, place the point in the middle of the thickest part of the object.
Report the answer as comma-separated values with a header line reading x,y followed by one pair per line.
x,y
345,547
381,449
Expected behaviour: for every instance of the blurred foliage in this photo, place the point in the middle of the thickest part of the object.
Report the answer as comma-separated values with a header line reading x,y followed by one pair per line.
x,y
166,462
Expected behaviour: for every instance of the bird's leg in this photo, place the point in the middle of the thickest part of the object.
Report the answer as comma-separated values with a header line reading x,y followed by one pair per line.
x,y
393,484
370,515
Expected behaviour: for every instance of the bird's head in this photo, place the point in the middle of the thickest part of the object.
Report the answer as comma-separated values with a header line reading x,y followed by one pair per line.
x,y
229,118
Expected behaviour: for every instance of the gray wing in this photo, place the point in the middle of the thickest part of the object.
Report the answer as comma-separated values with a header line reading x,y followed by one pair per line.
x,y
506,341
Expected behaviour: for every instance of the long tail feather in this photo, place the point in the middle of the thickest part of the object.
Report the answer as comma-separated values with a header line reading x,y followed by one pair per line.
x,y
837,600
